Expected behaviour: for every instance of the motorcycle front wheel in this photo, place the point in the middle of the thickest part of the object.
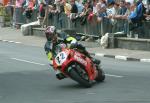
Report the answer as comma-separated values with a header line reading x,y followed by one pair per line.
x,y
101,75
78,78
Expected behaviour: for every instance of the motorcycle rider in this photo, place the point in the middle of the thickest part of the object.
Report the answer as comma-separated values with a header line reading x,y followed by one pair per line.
x,y
52,41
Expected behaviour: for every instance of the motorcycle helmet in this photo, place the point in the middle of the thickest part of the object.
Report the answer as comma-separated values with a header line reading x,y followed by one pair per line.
x,y
50,33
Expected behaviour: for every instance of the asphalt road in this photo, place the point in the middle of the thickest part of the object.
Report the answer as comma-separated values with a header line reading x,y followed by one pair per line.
x,y
26,78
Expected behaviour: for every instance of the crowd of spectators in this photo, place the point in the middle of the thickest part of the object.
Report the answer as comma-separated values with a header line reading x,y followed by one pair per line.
x,y
132,11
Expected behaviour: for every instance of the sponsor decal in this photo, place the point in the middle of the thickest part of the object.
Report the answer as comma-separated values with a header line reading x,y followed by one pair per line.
x,y
80,60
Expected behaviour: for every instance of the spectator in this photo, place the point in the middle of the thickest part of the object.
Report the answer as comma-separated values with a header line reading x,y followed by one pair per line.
x,y
123,8
67,7
147,14
136,17
101,10
85,9
137,13
1,2
128,11
9,7
29,7
49,2
85,12
19,3
18,11
46,8
109,1
58,5
42,8
94,3
9,11
1,9
74,8
112,12
79,5
129,1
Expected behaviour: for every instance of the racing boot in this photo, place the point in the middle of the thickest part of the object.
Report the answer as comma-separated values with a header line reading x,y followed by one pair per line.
x,y
95,61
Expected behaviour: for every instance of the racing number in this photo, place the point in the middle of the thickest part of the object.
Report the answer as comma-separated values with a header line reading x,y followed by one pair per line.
x,y
60,57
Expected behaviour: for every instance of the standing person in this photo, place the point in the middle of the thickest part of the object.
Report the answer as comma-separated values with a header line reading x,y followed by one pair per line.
x,y
67,7
101,10
29,9
112,12
79,5
18,11
58,5
44,10
136,17
74,8
128,12
9,9
1,2
123,8
121,12
94,6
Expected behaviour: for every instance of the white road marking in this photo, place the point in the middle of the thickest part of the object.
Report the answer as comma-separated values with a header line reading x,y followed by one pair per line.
x,y
90,93
117,76
22,60
11,41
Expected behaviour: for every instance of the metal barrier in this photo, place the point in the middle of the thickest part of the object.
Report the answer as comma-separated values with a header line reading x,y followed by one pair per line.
x,y
93,28
146,28
19,17
61,21
90,28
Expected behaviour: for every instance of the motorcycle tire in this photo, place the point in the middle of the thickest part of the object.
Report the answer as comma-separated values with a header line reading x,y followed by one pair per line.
x,y
75,76
101,75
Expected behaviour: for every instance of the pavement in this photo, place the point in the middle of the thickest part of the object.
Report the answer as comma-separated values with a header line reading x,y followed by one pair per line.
x,y
12,35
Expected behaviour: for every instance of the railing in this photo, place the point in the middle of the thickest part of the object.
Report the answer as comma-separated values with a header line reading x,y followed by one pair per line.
x,y
20,18
92,27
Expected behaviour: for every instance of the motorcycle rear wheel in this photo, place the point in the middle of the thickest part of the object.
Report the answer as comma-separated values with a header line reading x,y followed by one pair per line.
x,y
75,76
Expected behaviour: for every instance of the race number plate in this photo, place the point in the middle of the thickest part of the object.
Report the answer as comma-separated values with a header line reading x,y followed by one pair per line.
x,y
60,58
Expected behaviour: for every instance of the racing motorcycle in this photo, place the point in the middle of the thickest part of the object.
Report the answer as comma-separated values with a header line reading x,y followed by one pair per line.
x,y
77,66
